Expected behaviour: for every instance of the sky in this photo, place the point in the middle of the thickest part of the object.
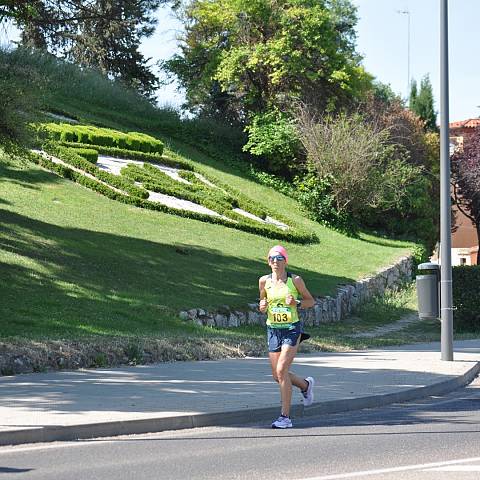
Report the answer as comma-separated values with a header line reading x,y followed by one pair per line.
x,y
382,40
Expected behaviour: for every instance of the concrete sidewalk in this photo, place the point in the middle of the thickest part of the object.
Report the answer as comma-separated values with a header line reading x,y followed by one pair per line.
x,y
92,403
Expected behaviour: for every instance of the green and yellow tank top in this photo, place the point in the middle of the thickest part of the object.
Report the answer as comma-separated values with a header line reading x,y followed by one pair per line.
x,y
280,315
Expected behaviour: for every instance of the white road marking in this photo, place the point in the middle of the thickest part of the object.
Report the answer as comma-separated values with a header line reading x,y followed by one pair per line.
x,y
422,466
457,468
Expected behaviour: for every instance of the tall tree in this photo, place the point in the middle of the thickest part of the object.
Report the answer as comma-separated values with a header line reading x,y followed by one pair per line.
x,y
412,99
466,180
104,34
423,103
242,57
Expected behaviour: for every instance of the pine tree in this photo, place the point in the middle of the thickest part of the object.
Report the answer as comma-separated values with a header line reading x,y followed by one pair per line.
x,y
102,34
423,104
412,101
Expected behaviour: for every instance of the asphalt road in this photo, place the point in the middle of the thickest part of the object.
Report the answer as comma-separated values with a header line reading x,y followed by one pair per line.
x,y
437,438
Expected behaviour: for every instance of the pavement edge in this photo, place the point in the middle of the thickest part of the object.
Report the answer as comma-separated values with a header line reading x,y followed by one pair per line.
x,y
151,425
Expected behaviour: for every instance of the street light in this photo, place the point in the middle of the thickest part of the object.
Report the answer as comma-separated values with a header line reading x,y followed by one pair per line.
x,y
407,12
446,301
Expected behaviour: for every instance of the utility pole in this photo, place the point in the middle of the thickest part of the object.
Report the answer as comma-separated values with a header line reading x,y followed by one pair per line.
x,y
446,300
407,12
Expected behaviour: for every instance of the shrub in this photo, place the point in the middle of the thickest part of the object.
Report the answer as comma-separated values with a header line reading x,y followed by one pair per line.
x,y
273,137
88,154
21,90
104,137
466,298
296,236
315,196
133,155
69,156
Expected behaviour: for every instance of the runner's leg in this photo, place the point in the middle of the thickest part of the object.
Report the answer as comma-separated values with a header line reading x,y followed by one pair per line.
x,y
284,377
300,383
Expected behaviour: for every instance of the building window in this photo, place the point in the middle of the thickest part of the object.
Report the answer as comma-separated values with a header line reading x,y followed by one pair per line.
x,y
463,261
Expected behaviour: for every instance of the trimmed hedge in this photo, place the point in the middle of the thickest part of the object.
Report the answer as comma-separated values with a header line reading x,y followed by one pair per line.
x,y
88,154
87,134
157,181
466,298
69,156
133,155
223,199
259,229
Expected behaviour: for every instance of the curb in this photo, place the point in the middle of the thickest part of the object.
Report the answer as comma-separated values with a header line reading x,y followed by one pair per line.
x,y
131,427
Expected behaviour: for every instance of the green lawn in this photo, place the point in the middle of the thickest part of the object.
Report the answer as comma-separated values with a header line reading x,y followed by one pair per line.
x,y
75,263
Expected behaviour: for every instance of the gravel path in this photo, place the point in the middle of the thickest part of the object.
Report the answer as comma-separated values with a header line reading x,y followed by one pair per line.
x,y
389,328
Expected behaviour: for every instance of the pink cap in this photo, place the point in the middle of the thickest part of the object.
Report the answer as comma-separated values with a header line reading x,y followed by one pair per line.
x,y
278,250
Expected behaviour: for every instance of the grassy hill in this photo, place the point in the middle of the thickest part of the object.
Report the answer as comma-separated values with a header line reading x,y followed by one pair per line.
x,y
76,264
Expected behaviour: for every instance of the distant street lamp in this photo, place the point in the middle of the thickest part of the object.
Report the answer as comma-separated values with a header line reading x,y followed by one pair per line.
x,y
407,12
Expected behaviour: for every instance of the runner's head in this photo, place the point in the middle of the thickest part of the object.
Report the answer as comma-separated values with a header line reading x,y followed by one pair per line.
x,y
277,251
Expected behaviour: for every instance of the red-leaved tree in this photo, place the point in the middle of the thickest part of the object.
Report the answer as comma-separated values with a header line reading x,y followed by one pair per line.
x,y
466,180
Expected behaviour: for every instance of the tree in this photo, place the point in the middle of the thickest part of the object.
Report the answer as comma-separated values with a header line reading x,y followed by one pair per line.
x,y
242,57
412,99
357,158
466,180
104,34
423,104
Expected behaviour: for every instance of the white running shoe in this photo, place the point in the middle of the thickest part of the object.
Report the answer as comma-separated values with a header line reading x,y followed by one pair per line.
x,y
308,393
282,422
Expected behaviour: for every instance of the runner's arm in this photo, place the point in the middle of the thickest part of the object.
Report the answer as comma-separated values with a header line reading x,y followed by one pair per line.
x,y
263,294
307,299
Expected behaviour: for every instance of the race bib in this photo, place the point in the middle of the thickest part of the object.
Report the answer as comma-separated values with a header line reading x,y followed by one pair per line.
x,y
281,315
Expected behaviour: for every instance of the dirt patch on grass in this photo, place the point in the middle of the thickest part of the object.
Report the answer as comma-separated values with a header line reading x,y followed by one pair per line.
x,y
27,356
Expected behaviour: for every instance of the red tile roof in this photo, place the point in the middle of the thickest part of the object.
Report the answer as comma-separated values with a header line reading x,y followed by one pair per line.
x,y
469,123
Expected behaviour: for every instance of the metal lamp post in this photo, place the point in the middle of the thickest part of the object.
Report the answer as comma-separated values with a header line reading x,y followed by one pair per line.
x,y
407,12
446,298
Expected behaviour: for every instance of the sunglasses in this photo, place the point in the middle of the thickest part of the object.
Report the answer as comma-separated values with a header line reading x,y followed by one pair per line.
x,y
278,258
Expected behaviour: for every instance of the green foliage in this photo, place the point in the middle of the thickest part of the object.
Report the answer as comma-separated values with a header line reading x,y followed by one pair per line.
x,y
105,36
240,57
422,103
420,255
466,298
87,134
88,154
273,181
315,195
363,179
214,198
21,90
273,136
69,156
413,212
176,162
221,199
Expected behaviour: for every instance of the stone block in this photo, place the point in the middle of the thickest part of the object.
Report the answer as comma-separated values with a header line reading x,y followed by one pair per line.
x,y
233,320
221,320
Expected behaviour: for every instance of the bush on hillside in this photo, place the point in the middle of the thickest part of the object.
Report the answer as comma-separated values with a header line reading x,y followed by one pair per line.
x,y
68,155
273,137
315,196
466,298
133,155
21,90
364,180
269,231
87,153
104,137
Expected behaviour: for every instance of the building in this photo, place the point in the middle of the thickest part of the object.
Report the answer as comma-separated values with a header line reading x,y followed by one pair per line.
x,y
464,236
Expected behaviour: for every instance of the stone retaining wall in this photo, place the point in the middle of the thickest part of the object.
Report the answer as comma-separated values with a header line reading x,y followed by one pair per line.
x,y
326,309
